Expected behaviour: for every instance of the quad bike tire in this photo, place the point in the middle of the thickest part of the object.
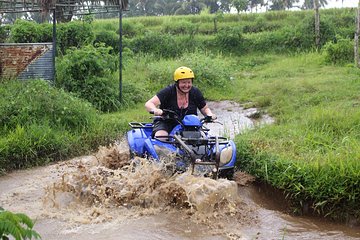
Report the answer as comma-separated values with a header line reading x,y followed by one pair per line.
x,y
227,173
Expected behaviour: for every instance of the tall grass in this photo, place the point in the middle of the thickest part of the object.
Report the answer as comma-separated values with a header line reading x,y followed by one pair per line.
x,y
40,124
312,151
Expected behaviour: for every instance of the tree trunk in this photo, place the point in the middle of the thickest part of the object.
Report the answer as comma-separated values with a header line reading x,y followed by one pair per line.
x,y
215,25
317,24
356,38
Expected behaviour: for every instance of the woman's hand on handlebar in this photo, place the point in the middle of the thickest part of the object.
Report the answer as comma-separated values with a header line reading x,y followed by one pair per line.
x,y
157,112
209,119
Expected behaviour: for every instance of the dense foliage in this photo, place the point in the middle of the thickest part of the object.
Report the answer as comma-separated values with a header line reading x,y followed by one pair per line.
x,y
72,34
88,72
339,52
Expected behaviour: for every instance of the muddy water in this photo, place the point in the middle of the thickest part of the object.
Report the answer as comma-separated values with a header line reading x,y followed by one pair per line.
x,y
234,119
102,197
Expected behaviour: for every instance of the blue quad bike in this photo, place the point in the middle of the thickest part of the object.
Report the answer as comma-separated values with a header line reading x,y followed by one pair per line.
x,y
189,143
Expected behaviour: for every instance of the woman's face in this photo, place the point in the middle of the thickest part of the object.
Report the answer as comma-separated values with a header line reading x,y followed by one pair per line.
x,y
185,85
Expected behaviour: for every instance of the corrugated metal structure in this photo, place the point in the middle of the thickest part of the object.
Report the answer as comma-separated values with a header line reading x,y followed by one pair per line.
x,y
41,67
27,61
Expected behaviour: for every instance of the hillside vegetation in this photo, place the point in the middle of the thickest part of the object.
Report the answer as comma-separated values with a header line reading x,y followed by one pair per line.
x,y
267,60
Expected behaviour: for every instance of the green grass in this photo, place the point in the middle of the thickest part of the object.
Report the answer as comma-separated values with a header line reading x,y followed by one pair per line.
x,y
312,150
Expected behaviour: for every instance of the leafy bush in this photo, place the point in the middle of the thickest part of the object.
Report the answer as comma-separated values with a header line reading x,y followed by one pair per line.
x,y
109,38
266,42
35,144
230,39
260,25
210,70
294,39
2,34
346,32
17,225
340,52
160,75
73,34
131,29
179,27
31,32
307,32
40,123
23,103
290,38
163,45
133,94
25,32
45,32
89,73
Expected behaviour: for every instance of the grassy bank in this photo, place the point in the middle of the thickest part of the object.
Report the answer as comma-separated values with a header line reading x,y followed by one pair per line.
x,y
312,151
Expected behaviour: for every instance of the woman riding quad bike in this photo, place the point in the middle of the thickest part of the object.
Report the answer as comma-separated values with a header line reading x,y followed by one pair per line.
x,y
189,143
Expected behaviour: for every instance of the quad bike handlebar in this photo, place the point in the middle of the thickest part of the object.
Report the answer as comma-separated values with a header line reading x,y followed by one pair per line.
x,y
170,114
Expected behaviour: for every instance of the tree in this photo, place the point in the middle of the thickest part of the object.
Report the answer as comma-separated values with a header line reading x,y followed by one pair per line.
x,y
282,4
255,4
356,38
317,24
240,5
225,5
309,4
190,7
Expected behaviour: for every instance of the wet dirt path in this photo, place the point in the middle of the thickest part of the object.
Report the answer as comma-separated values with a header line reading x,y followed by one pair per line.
x,y
85,198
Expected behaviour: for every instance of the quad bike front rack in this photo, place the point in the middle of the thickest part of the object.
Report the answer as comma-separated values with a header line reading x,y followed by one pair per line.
x,y
195,161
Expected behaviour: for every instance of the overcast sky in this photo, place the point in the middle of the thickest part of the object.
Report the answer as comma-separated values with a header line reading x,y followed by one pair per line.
x,y
338,4
331,4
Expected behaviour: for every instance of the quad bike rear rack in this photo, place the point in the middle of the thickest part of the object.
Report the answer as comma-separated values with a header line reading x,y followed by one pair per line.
x,y
135,125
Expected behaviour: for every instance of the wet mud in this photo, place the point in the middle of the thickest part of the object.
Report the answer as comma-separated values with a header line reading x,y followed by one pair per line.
x,y
103,196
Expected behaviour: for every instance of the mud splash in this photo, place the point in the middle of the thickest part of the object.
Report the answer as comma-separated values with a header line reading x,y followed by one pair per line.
x,y
141,188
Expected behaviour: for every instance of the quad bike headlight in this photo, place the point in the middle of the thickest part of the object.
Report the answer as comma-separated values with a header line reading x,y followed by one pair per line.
x,y
225,155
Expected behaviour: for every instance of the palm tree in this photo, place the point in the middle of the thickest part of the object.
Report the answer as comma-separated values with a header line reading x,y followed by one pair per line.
x,y
282,4
309,4
190,7
356,38
317,24
240,5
